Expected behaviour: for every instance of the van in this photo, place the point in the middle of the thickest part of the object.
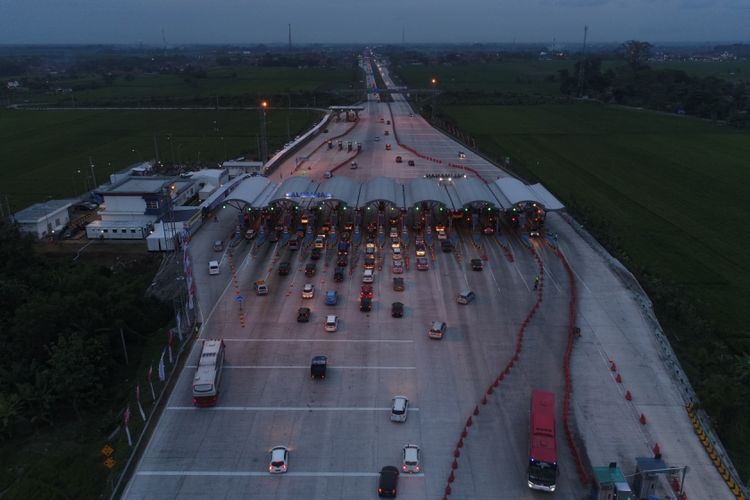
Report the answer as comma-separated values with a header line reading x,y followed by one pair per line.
x,y
465,296
213,267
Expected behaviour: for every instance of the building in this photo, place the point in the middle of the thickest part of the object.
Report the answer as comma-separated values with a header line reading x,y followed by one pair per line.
x,y
208,180
237,168
133,204
44,219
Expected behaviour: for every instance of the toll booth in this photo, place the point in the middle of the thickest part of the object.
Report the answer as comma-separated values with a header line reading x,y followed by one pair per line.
x,y
647,472
610,484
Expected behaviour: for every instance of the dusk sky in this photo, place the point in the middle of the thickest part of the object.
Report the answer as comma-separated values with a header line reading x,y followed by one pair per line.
x,y
331,21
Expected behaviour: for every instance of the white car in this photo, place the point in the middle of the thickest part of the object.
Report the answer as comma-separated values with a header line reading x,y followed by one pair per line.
x,y
279,460
399,408
412,459
213,267
398,267
332,323
308,291
370,248
368,276
397,253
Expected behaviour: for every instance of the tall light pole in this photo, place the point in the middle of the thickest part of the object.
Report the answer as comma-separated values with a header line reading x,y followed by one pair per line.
x,y
433,85
93,177
263,133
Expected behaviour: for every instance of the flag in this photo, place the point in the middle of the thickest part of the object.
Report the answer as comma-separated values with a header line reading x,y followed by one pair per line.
x,y
162,375
149,375
125,419
169,346
179,325
138,400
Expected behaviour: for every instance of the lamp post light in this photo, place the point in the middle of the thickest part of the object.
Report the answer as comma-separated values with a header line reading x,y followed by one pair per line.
x,y
263,132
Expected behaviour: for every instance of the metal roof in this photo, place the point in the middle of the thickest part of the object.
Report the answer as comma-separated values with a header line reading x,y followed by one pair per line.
x,y
293,185
381,189
466,191
426,190
39,211
342,189
518,192
251,190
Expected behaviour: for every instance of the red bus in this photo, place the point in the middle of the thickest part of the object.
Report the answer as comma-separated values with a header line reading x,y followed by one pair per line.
x,y
542,448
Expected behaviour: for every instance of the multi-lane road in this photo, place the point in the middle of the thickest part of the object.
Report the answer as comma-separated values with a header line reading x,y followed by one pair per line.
x,y
338,429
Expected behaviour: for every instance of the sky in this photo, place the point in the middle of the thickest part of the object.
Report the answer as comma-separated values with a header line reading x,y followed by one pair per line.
x,y
380,21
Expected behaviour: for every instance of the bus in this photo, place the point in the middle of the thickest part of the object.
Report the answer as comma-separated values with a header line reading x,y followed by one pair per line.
x,y
542,448
208,375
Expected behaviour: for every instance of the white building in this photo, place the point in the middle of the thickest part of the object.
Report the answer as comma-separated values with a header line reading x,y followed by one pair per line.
x,y
44,219
237,168
132,205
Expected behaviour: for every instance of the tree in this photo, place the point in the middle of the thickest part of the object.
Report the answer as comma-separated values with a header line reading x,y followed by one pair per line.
x,y
10,410
77,370
636,53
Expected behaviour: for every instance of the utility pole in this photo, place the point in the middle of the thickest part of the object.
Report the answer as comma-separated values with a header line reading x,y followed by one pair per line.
x,y
582,64
263,132
93,177
403,34
290,37
156,147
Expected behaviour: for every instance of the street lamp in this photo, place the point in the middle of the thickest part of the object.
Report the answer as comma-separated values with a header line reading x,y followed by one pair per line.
x,y
263,133
433,84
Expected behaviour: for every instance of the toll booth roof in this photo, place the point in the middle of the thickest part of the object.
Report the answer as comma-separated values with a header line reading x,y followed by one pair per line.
x,y
608,475
645,464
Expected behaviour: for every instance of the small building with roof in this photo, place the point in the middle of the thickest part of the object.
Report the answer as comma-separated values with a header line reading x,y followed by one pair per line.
x,y
44,219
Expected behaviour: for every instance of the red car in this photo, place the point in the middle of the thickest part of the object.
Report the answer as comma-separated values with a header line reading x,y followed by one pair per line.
x,y
366,292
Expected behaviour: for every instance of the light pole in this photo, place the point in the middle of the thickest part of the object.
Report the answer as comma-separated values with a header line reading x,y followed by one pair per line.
x,y
433,85
93,176
263,132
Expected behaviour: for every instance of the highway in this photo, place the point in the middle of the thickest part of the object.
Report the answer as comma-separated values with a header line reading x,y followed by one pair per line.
x,y
338,429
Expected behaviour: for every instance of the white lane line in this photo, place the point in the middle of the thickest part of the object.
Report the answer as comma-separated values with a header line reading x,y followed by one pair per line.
x,y
372,341
279,408
307,367
262,474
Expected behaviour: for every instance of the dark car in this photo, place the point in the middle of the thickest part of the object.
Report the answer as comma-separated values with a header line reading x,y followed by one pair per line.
x,y
476,264
446,246
397,310
388,482
342,261
284,268
310,269
338,275
398,284
315,255
318,367
365,304
411,163
303,315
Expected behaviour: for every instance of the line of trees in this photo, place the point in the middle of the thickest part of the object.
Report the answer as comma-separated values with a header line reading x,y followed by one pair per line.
x,y
636,84
61,330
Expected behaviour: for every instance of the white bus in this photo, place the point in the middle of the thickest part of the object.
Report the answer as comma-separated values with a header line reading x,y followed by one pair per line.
x,y
208,375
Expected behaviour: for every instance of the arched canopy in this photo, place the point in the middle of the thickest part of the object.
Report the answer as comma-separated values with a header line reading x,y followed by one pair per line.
x,y
516,192
342,189
422,190
466,192
252,191
381,189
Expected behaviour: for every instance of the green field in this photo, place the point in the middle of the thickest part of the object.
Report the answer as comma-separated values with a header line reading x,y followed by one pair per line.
x,y
728,70
46,153
672,189
529,77
252,82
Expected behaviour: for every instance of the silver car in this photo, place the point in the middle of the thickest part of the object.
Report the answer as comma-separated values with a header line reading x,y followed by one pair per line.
x,y
399,409
412,459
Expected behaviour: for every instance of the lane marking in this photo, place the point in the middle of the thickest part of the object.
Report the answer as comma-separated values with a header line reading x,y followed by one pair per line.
x,y
372,341
264,474
307,367
280,408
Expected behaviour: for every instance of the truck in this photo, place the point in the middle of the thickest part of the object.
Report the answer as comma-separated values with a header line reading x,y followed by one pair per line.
x,y
343,247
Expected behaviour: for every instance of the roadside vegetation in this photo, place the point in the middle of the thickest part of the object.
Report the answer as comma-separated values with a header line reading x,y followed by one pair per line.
x,y
63,371
664,193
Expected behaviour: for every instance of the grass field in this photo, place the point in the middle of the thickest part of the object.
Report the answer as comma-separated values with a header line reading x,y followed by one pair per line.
x,y
728,70
529,77
256,83
673,189
46,153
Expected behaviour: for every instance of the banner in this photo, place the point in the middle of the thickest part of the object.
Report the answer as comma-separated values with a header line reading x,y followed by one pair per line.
x,y
179,325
